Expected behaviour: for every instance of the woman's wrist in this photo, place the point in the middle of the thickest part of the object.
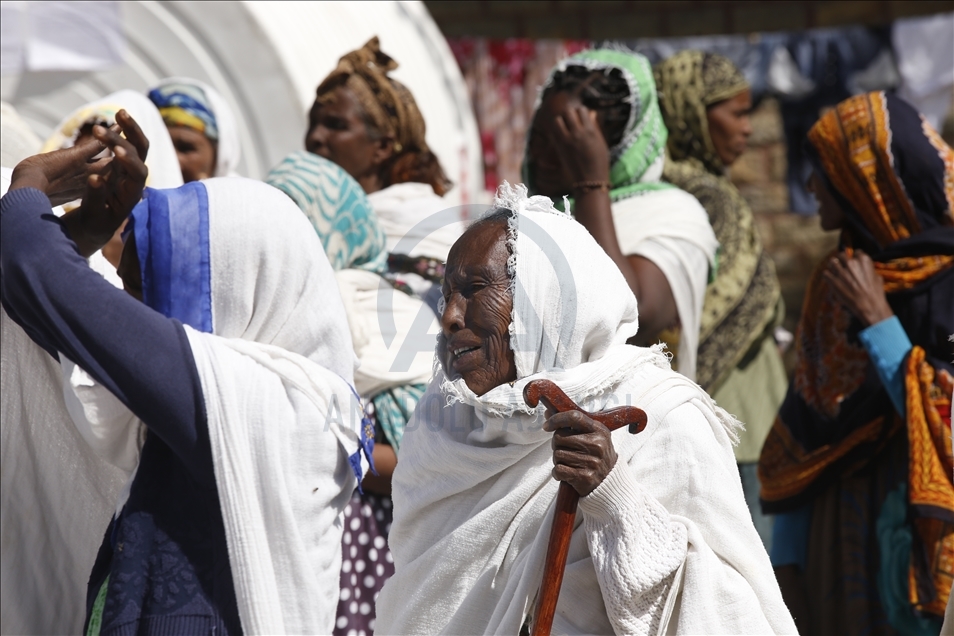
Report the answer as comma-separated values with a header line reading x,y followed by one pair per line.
x,y
879,312
88,241
590,185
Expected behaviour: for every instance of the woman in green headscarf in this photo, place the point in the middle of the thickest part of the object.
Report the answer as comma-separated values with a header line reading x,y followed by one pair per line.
x,y
705,102
598,137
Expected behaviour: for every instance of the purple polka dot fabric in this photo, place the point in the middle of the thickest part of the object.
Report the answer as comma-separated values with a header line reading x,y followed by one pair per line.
x,y
366,562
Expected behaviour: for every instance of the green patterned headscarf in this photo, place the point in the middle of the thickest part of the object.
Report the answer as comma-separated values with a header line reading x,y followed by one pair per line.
x,y
636,161
742,303
689,82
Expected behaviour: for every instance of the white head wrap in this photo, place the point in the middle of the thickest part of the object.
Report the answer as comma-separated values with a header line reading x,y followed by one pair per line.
x,y
572,309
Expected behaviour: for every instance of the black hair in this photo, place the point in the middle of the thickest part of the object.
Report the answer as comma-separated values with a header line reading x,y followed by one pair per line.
x,y
604,91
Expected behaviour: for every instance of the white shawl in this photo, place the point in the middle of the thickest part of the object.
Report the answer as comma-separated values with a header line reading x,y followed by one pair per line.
x,y
56,494
282,415
671,229
282,422
409,214
665,543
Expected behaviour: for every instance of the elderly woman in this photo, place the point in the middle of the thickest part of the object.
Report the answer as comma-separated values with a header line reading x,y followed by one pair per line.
x,y
202,126
859,459
597,135
705,102
369,123
665,543
220,385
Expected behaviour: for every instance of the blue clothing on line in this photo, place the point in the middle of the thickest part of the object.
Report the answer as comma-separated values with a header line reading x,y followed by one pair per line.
x,y
888,346
166,555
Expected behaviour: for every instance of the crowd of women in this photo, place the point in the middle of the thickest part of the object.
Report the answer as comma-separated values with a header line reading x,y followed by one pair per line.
x,y
241,442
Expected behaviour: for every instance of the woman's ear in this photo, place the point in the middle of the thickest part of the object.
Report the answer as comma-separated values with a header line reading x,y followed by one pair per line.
x,y
384,149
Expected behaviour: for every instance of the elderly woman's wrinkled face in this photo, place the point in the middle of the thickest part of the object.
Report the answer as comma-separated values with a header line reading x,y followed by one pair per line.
x,y
337,131
475,325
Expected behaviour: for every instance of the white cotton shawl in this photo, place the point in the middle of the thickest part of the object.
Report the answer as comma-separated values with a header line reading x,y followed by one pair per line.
x,y
411,216
228,152
276,377
282,422
392,332
671,229
56,493
473,492
281,412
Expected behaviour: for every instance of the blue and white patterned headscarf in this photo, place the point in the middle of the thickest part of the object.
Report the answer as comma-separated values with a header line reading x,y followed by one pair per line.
x,y
338,210
185,105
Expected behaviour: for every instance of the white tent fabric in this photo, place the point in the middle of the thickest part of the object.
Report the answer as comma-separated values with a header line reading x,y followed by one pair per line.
x,y
266,59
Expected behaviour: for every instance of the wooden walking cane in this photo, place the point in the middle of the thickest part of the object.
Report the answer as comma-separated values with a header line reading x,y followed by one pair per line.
x,y
557,401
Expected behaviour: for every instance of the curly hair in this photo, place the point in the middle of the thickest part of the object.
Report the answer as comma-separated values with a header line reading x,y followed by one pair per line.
x,y
605,92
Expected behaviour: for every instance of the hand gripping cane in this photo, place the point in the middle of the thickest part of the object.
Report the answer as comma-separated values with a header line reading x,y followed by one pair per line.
x,y
557,401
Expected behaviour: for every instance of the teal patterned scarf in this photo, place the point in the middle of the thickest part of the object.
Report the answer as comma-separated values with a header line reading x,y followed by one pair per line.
x,y
337,208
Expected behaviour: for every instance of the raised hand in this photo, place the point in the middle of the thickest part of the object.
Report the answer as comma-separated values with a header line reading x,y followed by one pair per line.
x,y
111,194
859,287
580,145
61,175
583,452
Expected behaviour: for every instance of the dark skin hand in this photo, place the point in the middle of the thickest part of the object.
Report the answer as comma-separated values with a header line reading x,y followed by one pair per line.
x,y
195,151
567,147
62,175
729,126
859,287
583,452
338,132
475,325
110,193
385,461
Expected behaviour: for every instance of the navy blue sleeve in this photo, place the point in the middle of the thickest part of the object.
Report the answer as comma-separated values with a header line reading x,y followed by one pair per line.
x,y
141,356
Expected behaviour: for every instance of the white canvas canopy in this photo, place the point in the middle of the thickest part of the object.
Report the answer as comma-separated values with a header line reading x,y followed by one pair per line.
x,y
266,58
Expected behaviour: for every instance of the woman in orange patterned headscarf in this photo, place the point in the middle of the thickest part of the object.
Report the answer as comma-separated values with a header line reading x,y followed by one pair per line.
x,y
858,463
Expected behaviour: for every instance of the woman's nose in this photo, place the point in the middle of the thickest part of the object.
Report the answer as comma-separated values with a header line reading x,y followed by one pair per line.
x,y
452,320
315,139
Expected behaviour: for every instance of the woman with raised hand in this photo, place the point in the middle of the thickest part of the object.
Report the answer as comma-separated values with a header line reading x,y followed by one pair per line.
x,y
705,102
220,383
598,137
858,464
